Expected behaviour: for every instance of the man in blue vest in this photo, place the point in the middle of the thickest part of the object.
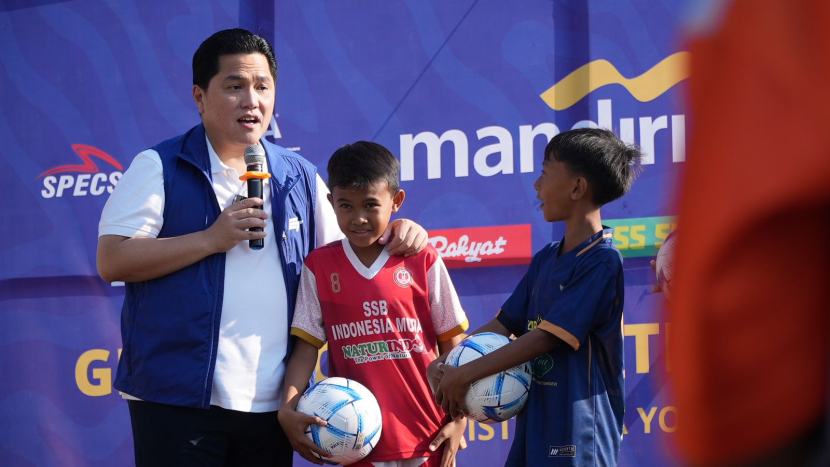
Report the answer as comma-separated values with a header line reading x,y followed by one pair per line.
x,y
205,322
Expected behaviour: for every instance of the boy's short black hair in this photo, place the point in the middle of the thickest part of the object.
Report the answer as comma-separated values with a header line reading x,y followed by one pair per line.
x,y
358,165
609,164
228,42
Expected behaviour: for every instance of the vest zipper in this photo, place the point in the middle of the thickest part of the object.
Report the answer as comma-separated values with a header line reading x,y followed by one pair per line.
x,y
205,391
282,240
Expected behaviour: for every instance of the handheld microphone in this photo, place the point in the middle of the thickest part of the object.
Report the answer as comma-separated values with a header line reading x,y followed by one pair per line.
x,y
255,160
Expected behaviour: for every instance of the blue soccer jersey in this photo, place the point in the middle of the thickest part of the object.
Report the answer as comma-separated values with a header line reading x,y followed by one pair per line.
x,y
575,411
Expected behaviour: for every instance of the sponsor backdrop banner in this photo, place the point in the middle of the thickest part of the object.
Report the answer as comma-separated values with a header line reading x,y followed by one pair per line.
x,y
466,93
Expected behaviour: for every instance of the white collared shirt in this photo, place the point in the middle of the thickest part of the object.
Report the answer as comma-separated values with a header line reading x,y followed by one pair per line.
x,y
253,335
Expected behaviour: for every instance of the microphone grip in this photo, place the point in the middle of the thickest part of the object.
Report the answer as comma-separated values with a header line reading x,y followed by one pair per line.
x,y
255,191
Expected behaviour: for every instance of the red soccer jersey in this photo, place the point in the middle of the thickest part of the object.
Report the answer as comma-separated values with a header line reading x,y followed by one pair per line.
x,y
382,324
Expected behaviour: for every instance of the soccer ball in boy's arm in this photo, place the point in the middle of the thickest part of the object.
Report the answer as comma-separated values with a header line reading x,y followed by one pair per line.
x,y
353,415
664,266
497,397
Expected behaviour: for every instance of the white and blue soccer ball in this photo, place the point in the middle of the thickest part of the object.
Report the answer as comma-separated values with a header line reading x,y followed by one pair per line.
x,y
353,415
498,397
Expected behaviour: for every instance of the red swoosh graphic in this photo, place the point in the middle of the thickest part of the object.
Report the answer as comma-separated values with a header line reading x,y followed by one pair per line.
x,y
88,166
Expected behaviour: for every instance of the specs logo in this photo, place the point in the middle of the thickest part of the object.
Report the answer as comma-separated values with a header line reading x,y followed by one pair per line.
x,y
81,179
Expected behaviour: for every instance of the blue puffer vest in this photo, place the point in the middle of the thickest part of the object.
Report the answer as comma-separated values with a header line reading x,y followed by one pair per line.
x,y
170,325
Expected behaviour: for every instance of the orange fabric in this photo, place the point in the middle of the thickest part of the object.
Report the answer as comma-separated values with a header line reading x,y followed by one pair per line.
x,y
750,299
254,174
562,334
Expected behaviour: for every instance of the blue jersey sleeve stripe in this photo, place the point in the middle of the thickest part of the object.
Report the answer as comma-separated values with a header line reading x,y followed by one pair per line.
x,y
560,333
508,323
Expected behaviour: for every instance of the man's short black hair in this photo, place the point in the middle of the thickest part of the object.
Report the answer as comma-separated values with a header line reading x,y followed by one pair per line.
x,y
361,164
228,42
609,164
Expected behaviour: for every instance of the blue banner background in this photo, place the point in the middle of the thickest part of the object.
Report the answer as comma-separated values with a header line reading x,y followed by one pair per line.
x,y
116,75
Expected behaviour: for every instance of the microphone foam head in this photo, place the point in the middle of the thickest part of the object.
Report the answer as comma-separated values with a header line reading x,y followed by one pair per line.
x,y
255,155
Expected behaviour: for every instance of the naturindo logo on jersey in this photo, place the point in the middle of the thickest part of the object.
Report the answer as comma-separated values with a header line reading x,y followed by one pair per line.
x,y
483,246
383,350
495,153
81,179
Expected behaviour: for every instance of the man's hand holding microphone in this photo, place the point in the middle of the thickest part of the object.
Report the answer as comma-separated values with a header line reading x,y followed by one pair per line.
x,y
243,220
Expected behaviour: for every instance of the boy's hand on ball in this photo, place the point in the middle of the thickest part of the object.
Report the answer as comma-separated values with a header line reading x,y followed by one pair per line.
x,y
433,375
295,424
452,391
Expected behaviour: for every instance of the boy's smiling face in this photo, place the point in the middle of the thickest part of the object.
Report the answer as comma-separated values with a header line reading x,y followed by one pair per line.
x,y
363,214
554,187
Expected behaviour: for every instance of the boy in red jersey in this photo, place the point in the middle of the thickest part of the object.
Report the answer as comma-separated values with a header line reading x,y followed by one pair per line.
x,y
385,318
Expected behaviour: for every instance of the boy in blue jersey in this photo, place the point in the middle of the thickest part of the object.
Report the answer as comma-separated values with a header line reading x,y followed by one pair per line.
x,y
567,314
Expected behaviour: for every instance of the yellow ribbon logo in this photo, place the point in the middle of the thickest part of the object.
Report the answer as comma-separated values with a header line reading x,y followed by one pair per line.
x,y
592,76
